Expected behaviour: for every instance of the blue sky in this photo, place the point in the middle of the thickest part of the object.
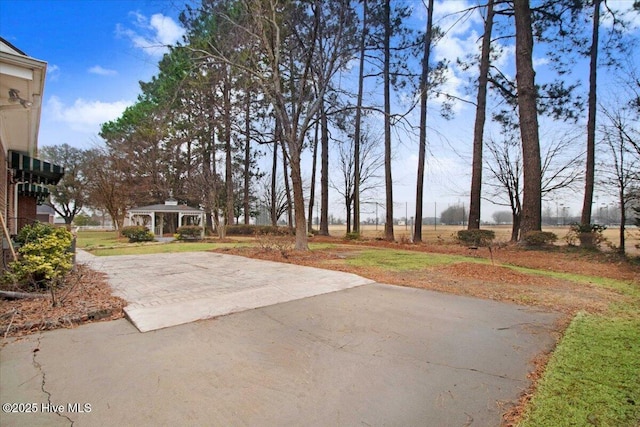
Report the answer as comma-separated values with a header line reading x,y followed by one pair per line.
x,y
98,50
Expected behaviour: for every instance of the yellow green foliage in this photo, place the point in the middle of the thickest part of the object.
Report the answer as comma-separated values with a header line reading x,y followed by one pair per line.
x,y
44,254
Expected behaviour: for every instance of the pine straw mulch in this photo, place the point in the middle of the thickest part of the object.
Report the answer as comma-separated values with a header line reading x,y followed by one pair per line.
x,y
85,297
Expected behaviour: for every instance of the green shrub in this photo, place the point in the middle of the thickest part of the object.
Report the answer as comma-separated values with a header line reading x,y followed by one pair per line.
x,y
354,235
189,232
44,255
476,238
138,233
252,230
539,238
589,235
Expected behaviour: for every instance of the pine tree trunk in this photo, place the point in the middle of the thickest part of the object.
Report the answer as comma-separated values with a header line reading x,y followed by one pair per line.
x,y
589,179
312,191
388,181
247,158
422,142
527,108
358,119
478,129
229,154
324,173
274,171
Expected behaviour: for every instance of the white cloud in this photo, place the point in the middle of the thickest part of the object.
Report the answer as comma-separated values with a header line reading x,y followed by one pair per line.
x,y
540,61
623,10
152,35
83,115
101,71
53,72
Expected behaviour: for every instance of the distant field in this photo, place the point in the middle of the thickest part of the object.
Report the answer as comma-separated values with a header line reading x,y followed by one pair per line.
x,y
94,240
431,234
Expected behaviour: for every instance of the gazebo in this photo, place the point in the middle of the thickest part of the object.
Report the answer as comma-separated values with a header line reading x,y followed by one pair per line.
x,y
165,218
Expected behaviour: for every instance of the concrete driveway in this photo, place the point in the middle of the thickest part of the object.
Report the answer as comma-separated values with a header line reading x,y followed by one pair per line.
x,y
164,290
367,355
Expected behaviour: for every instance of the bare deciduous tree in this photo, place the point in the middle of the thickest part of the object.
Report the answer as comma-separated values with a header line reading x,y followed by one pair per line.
x,y
621,170
370,164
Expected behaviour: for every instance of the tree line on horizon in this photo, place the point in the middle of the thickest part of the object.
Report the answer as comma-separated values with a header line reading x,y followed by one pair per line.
x,y
256,78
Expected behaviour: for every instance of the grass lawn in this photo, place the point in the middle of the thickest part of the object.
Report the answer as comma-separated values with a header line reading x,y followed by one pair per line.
x,y
593,377
398,260
95,239
107,243
162,248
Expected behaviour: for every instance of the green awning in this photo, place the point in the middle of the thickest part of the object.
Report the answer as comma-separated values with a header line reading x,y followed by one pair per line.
x,y
40,192
34,171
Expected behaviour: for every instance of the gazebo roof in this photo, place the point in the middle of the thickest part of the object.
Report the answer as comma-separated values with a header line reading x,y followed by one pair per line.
x,y
165,208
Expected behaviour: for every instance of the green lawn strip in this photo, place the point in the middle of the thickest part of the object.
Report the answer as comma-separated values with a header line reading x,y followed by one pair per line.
x,y
398,260
593,377
322,246
621,286
162,248
95,239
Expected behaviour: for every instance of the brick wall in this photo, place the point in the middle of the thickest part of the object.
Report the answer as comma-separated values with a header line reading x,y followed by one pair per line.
x,y
27,210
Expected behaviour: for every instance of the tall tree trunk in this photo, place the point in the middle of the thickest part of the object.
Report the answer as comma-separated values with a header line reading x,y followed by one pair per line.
x,y
623,220
515,226
228,152
422,142
348,210
274,172
589,178
287,188
302,243
247,157
388,225
527,108
478,129
324,173
312,191
214,193
358,119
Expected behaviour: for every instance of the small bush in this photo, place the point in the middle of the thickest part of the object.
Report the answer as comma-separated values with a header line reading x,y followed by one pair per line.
x,y
45,257
138,233
539,238
189,232
476,238
352,236
405,240
282,243
252,230
589,235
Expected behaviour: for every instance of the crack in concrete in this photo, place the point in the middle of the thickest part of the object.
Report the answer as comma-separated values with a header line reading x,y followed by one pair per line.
x,y
38,366
310,336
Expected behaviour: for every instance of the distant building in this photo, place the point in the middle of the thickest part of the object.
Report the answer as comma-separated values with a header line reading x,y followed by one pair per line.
x,y
165,218
45,213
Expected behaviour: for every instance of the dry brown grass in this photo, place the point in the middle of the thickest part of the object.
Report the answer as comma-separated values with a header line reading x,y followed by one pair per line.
x,y
445,234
